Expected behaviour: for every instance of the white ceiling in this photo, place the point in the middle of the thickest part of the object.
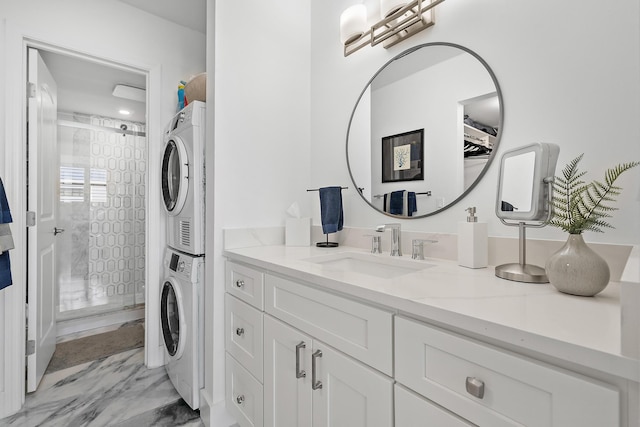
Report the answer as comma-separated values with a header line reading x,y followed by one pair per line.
x,y
86,87
188,13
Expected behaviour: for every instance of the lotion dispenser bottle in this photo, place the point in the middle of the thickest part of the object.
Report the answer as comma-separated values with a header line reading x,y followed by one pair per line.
x,y
473,241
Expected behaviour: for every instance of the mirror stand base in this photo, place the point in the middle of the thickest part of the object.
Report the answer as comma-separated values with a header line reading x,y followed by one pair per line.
x,y
526,273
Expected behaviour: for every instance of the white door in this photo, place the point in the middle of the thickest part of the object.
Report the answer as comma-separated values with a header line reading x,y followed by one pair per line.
x,y
42,199
287,376
347,393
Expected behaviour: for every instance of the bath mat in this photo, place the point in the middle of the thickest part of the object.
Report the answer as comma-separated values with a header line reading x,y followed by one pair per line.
x,y
95,347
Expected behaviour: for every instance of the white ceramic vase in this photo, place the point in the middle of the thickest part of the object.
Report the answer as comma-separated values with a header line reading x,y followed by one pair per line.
x,y
576,269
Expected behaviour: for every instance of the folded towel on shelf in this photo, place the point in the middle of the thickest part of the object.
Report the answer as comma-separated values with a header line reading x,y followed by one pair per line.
x,y
331,213
6,240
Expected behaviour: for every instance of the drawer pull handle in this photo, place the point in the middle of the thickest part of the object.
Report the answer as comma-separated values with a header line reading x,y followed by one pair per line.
x,y
240,399
475,387
300,373
239,283
315,384
240,332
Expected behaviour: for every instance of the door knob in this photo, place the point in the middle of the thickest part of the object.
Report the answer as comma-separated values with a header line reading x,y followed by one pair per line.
x,y
57,231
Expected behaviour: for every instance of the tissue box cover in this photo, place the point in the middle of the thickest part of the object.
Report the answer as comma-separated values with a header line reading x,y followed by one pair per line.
x,y
298,232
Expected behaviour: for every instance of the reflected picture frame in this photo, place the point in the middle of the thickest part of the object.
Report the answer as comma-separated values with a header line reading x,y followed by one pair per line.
x,y
403,156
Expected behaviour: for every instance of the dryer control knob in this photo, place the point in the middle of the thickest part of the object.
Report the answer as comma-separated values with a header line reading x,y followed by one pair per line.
x,y
181,266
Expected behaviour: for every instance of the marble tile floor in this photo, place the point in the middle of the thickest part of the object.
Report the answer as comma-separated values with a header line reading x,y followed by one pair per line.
x,y
115,391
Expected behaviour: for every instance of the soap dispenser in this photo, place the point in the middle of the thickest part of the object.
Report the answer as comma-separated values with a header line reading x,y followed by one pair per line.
x,y
473,241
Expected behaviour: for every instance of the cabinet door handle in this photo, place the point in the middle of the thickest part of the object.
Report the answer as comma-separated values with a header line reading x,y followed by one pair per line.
x,y
315,384
239,332
475,387
299,373
240,399
239,283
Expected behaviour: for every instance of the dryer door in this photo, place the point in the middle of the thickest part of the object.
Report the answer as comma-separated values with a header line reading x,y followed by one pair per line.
x,y
172,319
175,175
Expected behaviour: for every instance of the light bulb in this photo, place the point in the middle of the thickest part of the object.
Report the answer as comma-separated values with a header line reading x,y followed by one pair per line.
x,y
353,23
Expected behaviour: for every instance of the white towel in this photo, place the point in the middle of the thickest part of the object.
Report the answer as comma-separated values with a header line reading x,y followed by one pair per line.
x,y
6,239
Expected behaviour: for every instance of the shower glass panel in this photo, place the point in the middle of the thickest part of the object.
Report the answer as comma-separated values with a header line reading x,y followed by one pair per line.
x,y
101,263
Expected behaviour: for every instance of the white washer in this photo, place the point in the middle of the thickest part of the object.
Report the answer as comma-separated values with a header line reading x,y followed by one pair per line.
x,y
182,323
183,179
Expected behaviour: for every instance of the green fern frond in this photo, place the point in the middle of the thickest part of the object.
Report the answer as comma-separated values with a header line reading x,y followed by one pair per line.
x,y
580,206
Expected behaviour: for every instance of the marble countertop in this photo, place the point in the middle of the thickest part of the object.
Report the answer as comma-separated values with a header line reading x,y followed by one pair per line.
x,y
530,317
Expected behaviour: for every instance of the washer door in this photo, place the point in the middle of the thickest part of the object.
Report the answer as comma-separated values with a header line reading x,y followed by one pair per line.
x,y
174,329
175,176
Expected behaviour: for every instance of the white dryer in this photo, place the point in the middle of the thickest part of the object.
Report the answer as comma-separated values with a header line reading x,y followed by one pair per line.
x,y
182,323
183,186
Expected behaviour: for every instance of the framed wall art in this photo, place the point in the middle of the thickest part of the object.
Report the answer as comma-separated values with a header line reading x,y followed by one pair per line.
x,y
403,157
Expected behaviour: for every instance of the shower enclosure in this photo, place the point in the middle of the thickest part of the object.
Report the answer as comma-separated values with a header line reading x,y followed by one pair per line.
x,y
102,210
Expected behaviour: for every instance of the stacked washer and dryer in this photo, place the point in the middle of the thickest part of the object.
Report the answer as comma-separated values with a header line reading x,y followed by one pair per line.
x,y
182,291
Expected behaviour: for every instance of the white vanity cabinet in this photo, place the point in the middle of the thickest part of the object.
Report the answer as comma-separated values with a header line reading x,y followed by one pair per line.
x,y
307,383
244,344
312,358
300,355
491,387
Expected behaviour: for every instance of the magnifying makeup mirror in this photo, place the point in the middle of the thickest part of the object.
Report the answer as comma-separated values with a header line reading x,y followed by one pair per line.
x,y
525,190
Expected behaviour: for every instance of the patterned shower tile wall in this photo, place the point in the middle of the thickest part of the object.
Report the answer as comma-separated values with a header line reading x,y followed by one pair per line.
x,y
102,196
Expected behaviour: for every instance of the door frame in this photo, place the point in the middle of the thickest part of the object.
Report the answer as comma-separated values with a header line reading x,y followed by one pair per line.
x,y
12,299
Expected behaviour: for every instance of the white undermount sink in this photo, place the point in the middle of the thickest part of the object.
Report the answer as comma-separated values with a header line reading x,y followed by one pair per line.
x,y
376,265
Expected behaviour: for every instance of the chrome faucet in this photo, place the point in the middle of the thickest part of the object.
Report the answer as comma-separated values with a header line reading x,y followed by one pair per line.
x,y
396,244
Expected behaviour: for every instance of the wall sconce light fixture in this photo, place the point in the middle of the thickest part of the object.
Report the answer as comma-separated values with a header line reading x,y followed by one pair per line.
x,y
400,20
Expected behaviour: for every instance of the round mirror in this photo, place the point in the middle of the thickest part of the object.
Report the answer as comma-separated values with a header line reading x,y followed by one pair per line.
x,y
424,130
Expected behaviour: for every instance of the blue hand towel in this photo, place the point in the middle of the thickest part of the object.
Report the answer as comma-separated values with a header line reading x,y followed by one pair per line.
x,y
5,270
5,218
5,213
331,209
396,202
413,204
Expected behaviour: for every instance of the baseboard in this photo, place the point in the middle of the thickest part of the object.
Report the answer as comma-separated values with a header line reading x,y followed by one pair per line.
x,y
214,415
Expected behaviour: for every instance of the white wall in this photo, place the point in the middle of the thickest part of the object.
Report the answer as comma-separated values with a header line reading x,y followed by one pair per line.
x,y
107,29
262,89
569,72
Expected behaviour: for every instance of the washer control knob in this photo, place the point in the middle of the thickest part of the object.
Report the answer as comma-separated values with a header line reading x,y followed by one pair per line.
x,y
181,266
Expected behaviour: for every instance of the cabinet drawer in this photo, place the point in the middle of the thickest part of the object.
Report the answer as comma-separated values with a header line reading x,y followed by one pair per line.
x,y
244,395
516,391
243,334
356,329
245,283
409,407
